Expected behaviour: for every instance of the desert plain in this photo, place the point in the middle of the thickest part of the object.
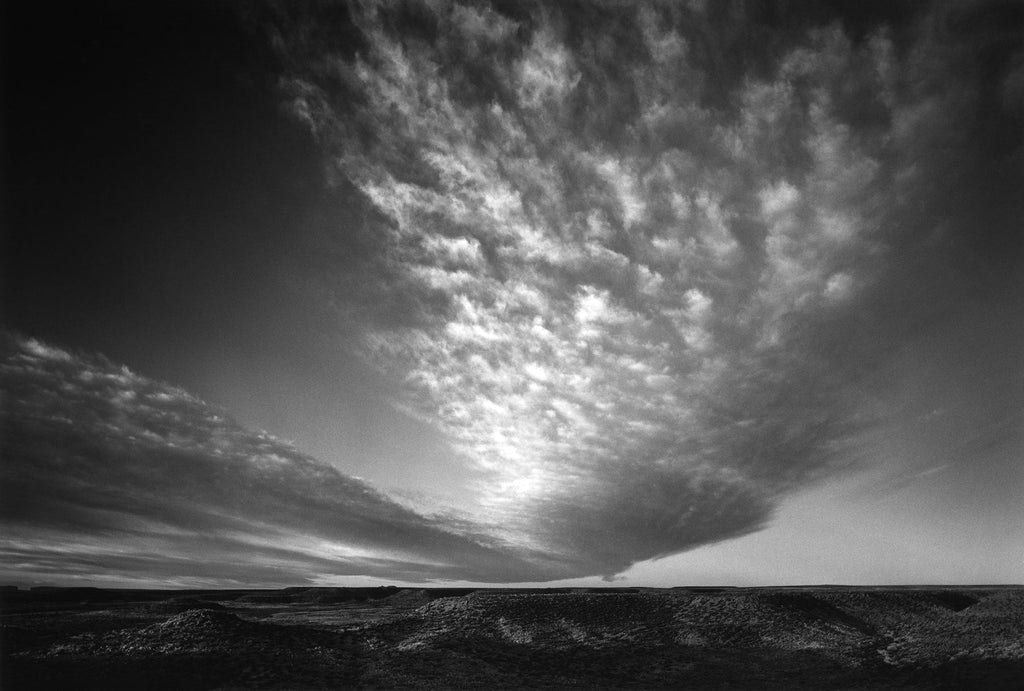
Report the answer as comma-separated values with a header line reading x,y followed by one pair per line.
x,y
391,637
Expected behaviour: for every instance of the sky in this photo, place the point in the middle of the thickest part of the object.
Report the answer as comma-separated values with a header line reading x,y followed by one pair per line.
x,y
653,294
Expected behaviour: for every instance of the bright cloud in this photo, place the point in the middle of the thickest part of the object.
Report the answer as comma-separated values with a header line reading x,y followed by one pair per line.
x,y
656,342
627,355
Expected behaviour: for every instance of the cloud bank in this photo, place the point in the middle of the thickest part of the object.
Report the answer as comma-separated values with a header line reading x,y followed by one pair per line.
x,y
636,261
106,472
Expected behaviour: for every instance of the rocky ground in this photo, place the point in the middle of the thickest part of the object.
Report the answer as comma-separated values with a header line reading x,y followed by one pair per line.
x,y
388,637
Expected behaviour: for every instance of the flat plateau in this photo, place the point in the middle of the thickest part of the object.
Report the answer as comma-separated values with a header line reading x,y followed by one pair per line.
x,y
311,638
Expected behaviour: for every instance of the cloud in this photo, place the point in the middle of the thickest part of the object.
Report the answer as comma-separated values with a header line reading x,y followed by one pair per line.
x,y
641,264
649,279
108,473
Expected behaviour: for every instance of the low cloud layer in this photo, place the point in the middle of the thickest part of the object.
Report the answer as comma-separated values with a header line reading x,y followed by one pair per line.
x,y
106,472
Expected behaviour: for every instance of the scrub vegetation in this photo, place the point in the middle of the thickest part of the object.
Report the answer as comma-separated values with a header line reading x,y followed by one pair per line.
x,y
814,637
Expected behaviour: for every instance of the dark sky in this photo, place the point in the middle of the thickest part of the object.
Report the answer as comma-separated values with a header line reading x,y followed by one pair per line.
x,y
533,291
153,180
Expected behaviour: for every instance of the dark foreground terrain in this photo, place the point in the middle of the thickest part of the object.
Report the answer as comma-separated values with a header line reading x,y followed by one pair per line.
x,y
822,637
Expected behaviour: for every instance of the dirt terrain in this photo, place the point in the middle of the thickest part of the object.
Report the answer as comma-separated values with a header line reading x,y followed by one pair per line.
x,y
821,637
